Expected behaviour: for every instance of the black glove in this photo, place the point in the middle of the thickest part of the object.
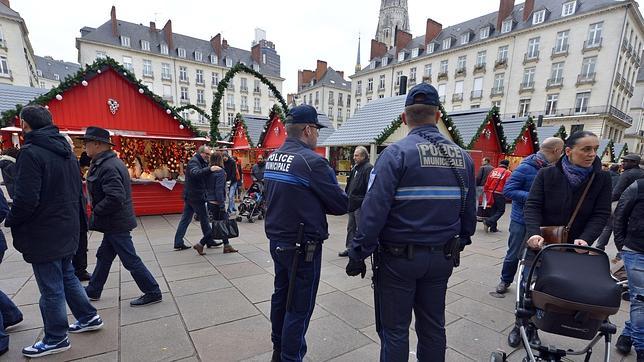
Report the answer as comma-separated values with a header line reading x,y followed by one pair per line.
x,y
355,267
463,241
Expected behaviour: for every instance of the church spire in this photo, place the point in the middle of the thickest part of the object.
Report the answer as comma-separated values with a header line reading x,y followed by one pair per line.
x,y
358,66
393,16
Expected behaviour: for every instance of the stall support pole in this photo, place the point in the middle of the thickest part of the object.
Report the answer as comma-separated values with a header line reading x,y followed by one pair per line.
x,y
372,153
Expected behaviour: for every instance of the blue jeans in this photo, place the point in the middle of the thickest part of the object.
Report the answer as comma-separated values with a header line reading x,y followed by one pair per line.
x,y
634,328
9,314
58,283
120,244
190,207
498,209
511,261
289,327
231,197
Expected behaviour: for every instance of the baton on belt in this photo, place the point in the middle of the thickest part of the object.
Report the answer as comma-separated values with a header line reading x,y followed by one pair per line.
x,y
296,257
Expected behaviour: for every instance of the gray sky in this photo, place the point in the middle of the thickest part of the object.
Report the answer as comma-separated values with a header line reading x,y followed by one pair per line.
x,y
303,31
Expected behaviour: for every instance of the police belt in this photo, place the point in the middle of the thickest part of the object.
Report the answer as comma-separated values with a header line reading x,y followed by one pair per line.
x,y
408,250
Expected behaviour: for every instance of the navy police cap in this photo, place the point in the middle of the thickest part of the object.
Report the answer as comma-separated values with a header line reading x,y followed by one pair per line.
x,y
303,114
422,93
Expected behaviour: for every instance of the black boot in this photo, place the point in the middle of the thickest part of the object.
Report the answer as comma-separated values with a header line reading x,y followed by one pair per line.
x,y
640,355
624,344
514,338
276,356
533,335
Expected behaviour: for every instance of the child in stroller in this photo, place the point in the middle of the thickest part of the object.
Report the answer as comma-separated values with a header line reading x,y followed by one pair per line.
x,y
252,204
567,290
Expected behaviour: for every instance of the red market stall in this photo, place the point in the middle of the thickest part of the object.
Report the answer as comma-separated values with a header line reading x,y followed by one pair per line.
x,y
149,136
482,134
523,139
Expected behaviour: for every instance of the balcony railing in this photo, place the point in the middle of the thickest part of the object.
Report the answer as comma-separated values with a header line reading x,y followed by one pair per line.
x,y
257,92
165,76
411,82
358,92
526,87
331,101
230,105
479,68
625,44
340,103
531,57
184,100
442,76
600,110
185,80
554,83
243,89
561,51
442,99
460,72
586,78
214,84
500,63
496,92
457,97
201,102
243,108
595,45
200,82
257,110
231,87
618,78
369,90
476,94
148,74
167,98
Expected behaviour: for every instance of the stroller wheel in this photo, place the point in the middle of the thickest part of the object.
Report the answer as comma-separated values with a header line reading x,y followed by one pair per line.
x,y
260,217
498,356
238,219
250,220
626,296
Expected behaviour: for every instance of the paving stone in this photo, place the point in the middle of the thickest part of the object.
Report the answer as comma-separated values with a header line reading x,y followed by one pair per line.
x,y
261,258
216,257
239,270
473,340
363,294
131,290
28,294
215,307
181,272
31,318
481,292
198,285
453,356
483,314
12,285
350,310
329,337
265,308
337,278
257,288
152,266
370,352
131,315
15,269
260,357
156,340
109,299
250,335
105,357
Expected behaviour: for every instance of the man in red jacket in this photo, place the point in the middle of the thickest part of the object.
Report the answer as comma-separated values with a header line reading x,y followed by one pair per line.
x,y
493,191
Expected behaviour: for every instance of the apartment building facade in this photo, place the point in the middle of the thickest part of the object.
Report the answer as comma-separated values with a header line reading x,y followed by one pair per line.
x,y
17,64
572,62
51,71
186,70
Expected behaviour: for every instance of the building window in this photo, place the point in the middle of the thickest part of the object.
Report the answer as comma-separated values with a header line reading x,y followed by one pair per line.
x,y
556,74
230,119
533,48
230,100
369,85
384,61
4,67
458,90
528,77
244,102
331,98
444,66
381,85
257,105
199,76
447,43
398,75
56,77
147,67
497,104
164,48
181,52
372,64
561,43
498,82
200,97
183,73
581,102
595,34
185,114
39,72
401,56
198,56
412,74
213,59
484,33
256,87
430,48
477,88
243,86
551,104
167,91
263,58
317,97
214,77
576,128
568,8
465,38
145,45
2,40
229,62
524,107
414,52
441,92
538,17
100,54
588,66
461,63
428,70
125,41
127,63
184,93
506,26
358,103
502,54
359,87
330,112
165,71
480,58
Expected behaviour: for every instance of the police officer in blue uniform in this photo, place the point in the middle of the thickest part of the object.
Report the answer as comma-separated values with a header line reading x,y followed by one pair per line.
x,y
301,188
418,214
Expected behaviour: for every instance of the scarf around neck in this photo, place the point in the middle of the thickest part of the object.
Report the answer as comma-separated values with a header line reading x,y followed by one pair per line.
x,y
576,175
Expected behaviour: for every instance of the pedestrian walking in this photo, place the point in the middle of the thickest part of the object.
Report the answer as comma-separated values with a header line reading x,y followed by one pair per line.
x,y
415,252
482,175
356,189
230,166
493,191
194,197
629,232
10,315
301,189
44,222
108,185
8,167
257,172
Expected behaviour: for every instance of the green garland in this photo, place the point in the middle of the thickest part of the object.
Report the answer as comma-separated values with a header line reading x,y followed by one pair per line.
x,y
239,120
494,117
389,130
561,133
533,132
447,120
276,112
221,88
86,74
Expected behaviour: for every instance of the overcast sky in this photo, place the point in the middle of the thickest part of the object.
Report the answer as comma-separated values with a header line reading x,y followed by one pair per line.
x,y
303,31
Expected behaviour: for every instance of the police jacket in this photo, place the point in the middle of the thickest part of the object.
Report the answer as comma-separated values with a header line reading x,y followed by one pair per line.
x,y
628,221
196,172
300,188
44,217
110,191
414,196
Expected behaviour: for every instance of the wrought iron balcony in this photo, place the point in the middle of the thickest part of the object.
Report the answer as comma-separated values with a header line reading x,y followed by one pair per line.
x,y
588,78
554,83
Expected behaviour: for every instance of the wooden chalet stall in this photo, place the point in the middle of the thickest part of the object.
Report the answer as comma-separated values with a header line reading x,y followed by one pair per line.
x,y
522,139
605,151
482,134
620,149
153,141
544,132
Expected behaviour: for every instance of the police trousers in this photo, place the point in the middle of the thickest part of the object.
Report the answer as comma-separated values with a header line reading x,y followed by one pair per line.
x,y
417,282
288,327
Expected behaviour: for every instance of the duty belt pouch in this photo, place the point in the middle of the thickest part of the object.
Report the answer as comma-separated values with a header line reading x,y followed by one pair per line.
x,y
309,250
453,251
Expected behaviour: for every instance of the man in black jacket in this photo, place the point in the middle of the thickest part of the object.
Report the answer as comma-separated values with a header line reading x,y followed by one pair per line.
x,y
230,166
108,185
629,237
356,189
482,175
194,196
44,223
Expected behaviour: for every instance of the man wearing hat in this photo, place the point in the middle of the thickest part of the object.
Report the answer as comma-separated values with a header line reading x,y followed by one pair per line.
x,y
414,252
301,189
493,190
631,173
44,222
108,185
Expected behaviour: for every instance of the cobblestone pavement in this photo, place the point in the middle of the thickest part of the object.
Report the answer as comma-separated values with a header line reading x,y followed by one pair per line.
x,y
215,307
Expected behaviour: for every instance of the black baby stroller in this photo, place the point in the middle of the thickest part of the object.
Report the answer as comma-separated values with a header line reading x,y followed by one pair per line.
x,y
572,295
252,204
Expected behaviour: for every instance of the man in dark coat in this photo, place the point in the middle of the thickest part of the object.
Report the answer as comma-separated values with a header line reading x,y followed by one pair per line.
x,y
8,167
356,189
257,172
194,196
482,175
44,222
230,166
108,184
10,315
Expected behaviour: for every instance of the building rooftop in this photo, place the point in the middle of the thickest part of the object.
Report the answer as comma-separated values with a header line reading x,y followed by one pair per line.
x,y
255,126
512,129
331,78
468,122
49,66
325,133
11,95
9,12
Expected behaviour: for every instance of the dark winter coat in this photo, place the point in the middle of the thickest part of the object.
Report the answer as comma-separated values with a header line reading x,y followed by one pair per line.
x,y
257,172
628,221
4,210
552,200
8,167
614,176
357,185
484,171
44,217
197,173
216,187
109,188
518,185
230,167
625,180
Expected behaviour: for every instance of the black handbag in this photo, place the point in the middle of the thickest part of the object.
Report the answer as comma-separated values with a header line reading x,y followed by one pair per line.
x,y
224,229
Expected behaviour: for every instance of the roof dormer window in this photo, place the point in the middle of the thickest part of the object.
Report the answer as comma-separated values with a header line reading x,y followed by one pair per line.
x,y
213,59
484,33
506,26
538,17
229,62
414,52
372,64
163,48
401,56
465,38
125,41
198,56
256,67
181,52
385,61
430,48
145,45
447,43
568,8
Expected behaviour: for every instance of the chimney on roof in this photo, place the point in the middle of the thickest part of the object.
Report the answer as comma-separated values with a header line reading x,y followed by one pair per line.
x,y
320,69
402,39
216,44
528,8
167,32
256,53
6,3
224,43
340,73
115,29
153,26
378,49
505,9
304,78
432,29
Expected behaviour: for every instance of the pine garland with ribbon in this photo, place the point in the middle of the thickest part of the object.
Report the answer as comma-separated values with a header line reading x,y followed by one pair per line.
x,y
239,121
276,112
528,124
494,117
389,130
561,133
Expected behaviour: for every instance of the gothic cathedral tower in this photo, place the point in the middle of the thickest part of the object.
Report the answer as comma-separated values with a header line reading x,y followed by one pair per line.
x,y
393,16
